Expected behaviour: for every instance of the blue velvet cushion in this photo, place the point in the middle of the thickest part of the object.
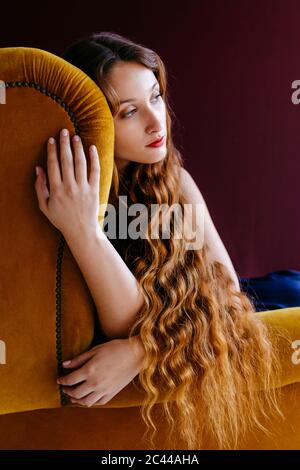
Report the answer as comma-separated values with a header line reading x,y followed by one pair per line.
x,y
277,289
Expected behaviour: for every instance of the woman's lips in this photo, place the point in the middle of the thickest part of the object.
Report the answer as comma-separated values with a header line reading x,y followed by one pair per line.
x,y
158,143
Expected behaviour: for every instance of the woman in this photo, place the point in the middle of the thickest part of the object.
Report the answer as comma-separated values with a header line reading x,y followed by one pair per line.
x,y
192,324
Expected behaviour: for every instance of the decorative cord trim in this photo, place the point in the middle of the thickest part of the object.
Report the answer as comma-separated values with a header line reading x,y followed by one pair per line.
x,y
60,370
46,92
60,252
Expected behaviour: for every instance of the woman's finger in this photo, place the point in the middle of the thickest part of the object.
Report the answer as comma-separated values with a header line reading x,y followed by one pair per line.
x,y
53,169
73,378
94,179
66,158
80,161
89,400
79,360
41,189
79,391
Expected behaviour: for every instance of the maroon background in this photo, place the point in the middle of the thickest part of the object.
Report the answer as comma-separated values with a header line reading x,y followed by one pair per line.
x,y
230,65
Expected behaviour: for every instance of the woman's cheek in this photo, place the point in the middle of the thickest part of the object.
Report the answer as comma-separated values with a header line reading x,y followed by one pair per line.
x,y
122,144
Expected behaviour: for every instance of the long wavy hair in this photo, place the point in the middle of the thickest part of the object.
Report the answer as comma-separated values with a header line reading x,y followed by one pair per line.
x,y
205,348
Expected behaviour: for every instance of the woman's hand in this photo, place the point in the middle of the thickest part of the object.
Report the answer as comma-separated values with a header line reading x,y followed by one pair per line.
x,y
102,372
73,204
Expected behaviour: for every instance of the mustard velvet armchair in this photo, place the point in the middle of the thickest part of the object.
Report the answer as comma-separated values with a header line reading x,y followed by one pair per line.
x,y
47,312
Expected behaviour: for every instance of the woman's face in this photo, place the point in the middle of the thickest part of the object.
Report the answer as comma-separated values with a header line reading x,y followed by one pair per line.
x,y
141,119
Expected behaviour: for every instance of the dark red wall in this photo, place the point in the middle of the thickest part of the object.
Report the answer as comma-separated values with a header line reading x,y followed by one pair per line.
x,y
231,65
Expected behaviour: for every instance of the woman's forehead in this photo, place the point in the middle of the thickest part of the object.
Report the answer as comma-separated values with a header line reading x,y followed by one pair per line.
x,y
129,79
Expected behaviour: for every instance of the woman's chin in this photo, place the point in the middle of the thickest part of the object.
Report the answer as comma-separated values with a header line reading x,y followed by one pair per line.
x,y
156,154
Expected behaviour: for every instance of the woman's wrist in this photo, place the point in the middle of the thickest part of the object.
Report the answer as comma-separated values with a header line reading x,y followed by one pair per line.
x,y
138,349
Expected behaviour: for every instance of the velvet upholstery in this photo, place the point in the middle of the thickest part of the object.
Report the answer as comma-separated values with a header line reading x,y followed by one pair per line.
x,y
47,313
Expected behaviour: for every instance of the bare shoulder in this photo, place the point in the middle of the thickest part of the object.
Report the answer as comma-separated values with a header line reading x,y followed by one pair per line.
x,y
189,188
217,249
192,195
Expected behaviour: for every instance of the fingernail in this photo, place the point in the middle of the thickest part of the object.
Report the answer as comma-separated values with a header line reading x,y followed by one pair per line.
x,y
37,171
51,140
66,363
76,138
64,132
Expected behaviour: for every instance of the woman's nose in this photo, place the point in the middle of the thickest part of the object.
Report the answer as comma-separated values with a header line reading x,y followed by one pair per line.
x,y
154,124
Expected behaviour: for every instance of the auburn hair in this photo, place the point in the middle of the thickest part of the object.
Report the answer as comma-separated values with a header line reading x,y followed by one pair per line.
x,y
205,347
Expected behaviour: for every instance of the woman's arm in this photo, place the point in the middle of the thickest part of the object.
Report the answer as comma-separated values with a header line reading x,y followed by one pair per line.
x,y
112,285
71,203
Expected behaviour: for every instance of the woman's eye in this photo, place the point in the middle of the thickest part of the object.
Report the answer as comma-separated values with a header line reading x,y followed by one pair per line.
x,y
129,113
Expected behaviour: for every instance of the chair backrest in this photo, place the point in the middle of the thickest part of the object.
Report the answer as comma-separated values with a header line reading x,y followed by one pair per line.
x,y
47,312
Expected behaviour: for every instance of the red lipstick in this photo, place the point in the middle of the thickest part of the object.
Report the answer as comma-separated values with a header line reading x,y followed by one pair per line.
x,y
157,143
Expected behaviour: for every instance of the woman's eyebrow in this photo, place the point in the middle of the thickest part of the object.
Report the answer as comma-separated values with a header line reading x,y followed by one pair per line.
x,y
134,99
